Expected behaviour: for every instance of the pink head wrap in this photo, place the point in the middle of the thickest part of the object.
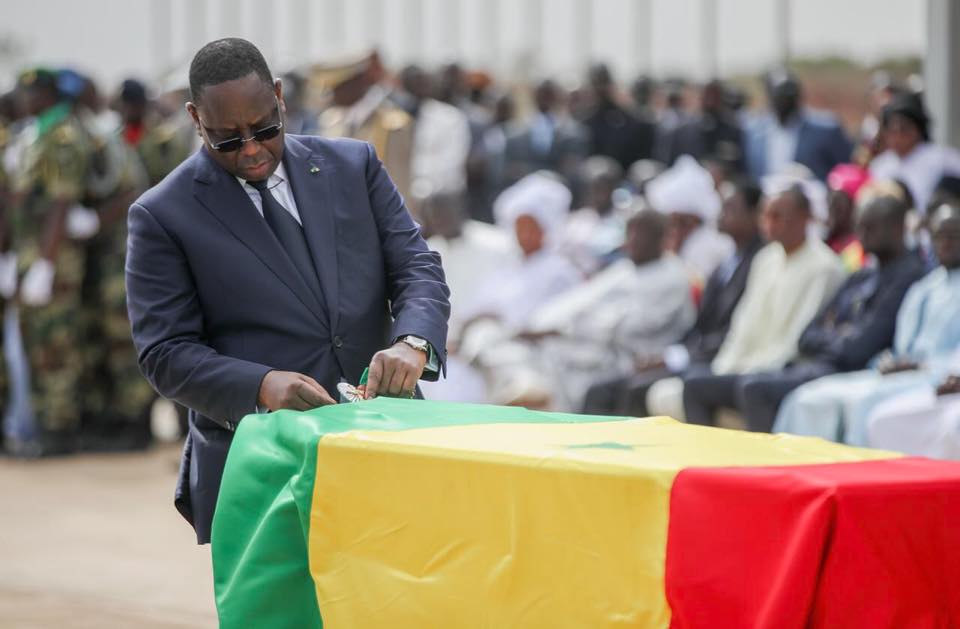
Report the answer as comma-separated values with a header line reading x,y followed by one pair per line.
x,y
849,178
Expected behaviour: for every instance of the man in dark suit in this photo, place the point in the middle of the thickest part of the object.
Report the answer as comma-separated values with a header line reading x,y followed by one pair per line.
x,y
714,133
551,140
791,134
614,130
267,268
739,219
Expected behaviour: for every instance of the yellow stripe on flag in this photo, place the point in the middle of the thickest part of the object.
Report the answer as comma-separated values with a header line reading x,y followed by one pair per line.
x,y
514,525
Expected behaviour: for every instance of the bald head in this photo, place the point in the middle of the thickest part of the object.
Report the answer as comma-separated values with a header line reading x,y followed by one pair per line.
x,y
785,218
945,228
880,227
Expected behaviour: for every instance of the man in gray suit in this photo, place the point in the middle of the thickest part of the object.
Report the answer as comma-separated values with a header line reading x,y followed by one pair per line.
x,y
267,268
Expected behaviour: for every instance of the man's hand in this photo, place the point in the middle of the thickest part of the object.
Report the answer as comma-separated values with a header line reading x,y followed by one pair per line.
x,y
288,389
646,362
535,336
395,372
896,366
950,386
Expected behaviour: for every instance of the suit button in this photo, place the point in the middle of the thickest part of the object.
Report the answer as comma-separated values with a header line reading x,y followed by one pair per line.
x,y
337,342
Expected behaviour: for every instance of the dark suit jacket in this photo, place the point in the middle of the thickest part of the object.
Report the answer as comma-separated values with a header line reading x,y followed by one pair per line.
x,y
720,298
567,151
719,137
858,322
620,134
821,144
215,303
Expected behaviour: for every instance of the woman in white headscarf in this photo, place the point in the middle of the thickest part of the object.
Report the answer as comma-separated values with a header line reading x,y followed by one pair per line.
x,y
534,212
686,193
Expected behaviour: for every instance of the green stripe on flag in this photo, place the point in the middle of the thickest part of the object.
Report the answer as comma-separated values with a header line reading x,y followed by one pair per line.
x,y
260,530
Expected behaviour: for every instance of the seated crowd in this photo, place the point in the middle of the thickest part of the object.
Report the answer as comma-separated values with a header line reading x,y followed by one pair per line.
x,y
782,303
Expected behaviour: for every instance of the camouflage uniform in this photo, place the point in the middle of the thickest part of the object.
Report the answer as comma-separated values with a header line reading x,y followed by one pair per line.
x,y
162,148
4,217
53,170
115,396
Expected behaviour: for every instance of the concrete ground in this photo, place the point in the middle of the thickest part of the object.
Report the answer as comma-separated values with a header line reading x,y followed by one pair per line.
x,y
93,541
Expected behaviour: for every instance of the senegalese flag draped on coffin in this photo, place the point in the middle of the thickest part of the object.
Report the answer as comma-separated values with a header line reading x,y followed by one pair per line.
x,y
413,514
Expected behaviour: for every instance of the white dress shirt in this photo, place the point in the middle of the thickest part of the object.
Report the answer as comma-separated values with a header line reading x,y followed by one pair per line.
x,y
441,143
782,146
279,187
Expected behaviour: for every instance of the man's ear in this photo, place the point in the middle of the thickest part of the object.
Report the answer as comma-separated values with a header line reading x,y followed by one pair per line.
x,y
278,91
192,110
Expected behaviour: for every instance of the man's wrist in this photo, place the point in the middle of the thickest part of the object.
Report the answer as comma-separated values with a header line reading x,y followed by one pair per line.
x,y
418,343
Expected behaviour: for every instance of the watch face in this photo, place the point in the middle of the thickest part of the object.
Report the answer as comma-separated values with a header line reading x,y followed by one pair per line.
x,y
416,343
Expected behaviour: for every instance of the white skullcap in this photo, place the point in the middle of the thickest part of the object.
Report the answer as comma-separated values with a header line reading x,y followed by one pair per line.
x,y
798,175
538,195
685,188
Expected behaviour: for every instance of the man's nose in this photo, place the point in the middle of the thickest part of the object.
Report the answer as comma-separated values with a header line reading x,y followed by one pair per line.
x,y
250,148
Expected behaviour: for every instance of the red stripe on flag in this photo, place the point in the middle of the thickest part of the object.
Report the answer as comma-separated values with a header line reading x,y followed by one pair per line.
x,y
872,544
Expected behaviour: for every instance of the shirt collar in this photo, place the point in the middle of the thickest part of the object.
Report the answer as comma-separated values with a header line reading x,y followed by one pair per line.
x,y
277,178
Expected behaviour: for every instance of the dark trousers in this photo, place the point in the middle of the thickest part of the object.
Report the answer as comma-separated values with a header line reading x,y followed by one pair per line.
x,y
704,393
625,396
756,396
761,394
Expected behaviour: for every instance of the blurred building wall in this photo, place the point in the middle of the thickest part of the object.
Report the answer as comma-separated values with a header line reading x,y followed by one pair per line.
x,y
942,69
514,38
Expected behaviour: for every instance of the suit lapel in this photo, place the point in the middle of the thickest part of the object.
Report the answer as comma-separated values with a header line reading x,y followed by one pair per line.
x,y
222,196
310,179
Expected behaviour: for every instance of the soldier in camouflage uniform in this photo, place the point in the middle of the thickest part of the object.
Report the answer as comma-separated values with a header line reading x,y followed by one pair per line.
x,y
161,143
7,259
116,399
43,413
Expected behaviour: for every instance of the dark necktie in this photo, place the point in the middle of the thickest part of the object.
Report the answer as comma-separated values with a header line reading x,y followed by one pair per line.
x,y
288,231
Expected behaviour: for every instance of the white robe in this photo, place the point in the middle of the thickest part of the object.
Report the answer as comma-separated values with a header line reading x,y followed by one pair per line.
x,y
518,289
588,237
704,250
624,312
917,423
498,309
470,260
783,294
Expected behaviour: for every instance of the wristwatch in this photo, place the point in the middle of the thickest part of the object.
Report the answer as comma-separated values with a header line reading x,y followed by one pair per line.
x,y
416,343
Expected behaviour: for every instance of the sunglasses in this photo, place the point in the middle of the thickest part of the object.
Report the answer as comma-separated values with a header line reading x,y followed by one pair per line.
x,y
235,144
